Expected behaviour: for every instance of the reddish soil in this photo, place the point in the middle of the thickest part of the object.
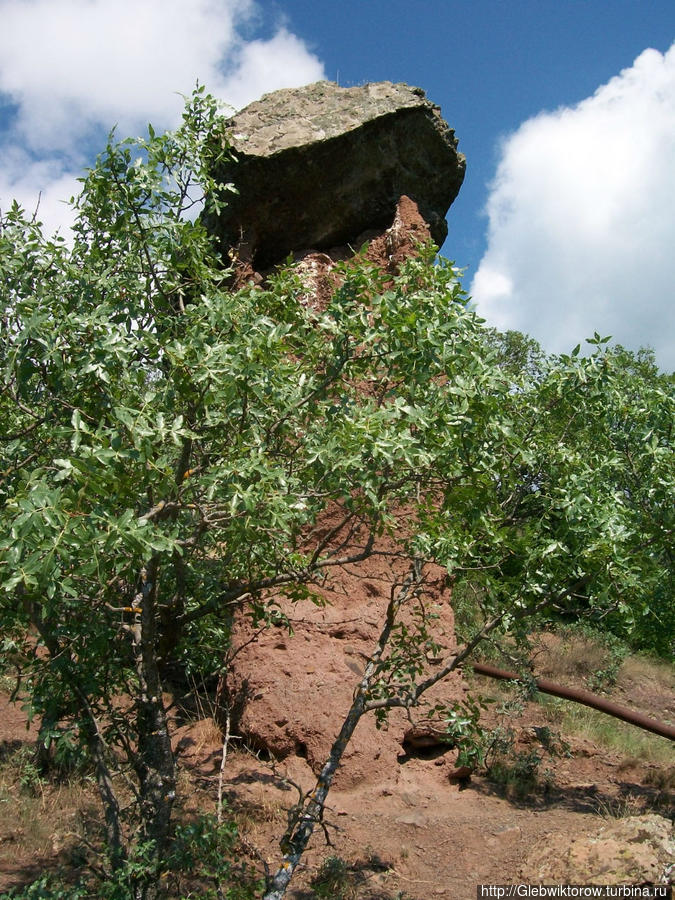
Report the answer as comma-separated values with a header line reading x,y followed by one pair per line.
x,y
406,827
436,837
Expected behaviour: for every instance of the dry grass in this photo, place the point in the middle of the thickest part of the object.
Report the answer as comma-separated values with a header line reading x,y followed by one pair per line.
x,y
575,657
210,733
659,674
254,818
578,657
663,779
572,658
39,820
619,808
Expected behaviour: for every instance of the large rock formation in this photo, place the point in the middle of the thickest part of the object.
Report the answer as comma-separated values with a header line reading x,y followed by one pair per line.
x,y
290,692
320,165
320,170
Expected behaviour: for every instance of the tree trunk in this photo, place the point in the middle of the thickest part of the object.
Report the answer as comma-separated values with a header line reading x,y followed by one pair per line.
x,y
300,830
155,764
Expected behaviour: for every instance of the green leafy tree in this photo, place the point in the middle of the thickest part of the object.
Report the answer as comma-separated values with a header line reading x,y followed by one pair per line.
x,y
172,450
547,499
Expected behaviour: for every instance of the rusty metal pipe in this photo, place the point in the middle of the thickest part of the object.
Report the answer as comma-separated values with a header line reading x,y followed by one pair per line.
x,y
585,697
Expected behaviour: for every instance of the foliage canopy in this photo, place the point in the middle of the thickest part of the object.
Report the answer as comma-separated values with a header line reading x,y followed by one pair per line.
x,y
169,445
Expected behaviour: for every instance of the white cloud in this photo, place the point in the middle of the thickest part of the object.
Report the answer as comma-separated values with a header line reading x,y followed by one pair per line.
x,y
263,66
582,220
74,69
40,186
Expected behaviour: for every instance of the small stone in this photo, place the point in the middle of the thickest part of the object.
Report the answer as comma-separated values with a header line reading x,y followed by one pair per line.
x,y
416,819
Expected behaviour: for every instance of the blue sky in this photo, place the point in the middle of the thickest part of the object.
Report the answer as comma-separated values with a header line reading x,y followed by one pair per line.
x,y
566,220
489,64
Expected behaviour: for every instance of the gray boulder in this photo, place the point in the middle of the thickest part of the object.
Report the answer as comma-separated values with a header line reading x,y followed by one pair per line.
x,y
319,165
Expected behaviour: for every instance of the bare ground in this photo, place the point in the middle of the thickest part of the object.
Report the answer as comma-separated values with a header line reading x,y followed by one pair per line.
x,y
411,832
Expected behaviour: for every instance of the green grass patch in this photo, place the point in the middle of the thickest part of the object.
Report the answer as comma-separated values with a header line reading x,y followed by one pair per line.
x,y
606,731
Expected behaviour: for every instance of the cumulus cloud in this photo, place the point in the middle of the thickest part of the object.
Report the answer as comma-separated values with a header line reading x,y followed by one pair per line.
x,y
69,71
581,219
263,66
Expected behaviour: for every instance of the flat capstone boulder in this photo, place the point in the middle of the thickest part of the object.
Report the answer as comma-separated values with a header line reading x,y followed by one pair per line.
x,y
318,166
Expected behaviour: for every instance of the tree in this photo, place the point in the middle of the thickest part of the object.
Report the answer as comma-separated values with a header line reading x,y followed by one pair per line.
x,y
170,448
550,501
